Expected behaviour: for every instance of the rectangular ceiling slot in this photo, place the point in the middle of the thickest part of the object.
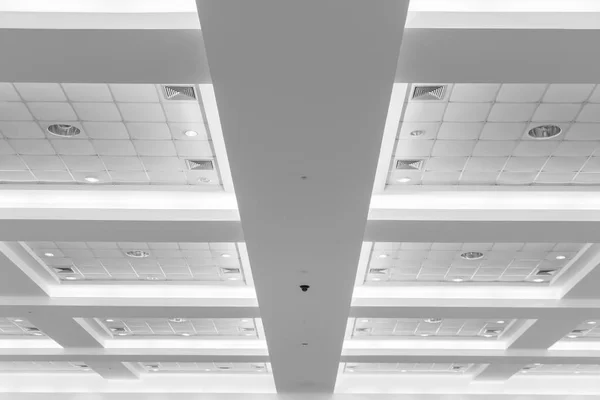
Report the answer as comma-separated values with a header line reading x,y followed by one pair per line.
x,y
179,92
64,270
200,165
378,271
231,270
546,272
429,92
414,165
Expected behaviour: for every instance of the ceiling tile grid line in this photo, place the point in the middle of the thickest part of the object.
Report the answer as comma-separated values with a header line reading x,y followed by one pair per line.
x,y
149,146
472,150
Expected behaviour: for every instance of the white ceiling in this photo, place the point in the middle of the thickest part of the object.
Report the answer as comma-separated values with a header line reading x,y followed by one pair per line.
x,y
304,191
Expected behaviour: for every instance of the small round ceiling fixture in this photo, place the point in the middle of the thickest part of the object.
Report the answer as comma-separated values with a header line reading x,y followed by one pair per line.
x,y
71,278
49,254
538,280
122,334
537,364
472,255
572,336
458,280
500,322
18,320
137,254
63,130
177,320
382,256
152,278
37,333
433,320
424,334
589,322
91,179
487,335
545,132
225,255
204,180
190,133
376,279
185,334
561,257
417,133
110,320
403,370
406,179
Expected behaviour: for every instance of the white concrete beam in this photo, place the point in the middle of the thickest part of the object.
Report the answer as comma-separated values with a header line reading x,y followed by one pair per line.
x,y
299,108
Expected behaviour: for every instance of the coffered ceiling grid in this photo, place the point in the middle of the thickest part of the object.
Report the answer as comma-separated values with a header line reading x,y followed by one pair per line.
x,y
477,135
130,134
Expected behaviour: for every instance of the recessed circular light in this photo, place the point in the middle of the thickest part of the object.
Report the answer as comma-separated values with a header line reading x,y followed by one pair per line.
x,y
403,370
545,132
458,280
424,334
37,333
433,320
572,336
225,255
91,179
137,254
71,278
18,320
122,334
577,372
472,255
487,335
589,322
364,320
417,133
524,372
406,179
207,370
382,256
110,320
177,320
538,280
537,364
203,179
190,133
375,279
185,334
500,322
63,130
49,254
560,257
154,369
153,278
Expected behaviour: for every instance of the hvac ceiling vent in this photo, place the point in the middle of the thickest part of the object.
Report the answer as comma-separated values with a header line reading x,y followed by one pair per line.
x,y
414,165
429,92
378,271
246,329
492,332
363,330
179,92
64,270
32,329
118,330
230,270
200,165
546,272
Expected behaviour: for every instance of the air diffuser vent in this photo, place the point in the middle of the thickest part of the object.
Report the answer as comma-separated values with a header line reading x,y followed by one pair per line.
x,y
378,271
230,270
64,270
179,92
546,272
200,165
429,92
414,165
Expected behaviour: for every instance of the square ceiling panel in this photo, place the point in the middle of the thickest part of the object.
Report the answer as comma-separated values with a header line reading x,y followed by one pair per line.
x,y
43,366
414,368
80,262
456,136
589,330
18,327
103,134
196,368
177,327
378,328
519,263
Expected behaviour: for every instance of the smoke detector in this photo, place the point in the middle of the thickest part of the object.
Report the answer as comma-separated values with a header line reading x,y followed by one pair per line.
x,y
429,92
200,165
414,165
179,92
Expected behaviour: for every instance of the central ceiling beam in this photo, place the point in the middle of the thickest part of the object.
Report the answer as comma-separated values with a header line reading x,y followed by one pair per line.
x,y
303,89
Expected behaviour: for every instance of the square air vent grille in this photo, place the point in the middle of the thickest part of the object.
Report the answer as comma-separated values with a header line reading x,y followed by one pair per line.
x,y
414,165
200,165
174,92
429,92
64,270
